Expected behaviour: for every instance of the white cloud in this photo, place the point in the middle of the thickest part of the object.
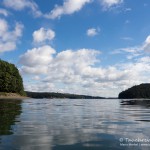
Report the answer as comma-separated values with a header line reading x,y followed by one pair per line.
x,y
42,35
43,56
131,50
7,46
37,56
145,59
17,4
92,32
37,70
23,4
110,3
76,72
68,7
8,39
4,12
135,50
46,87
139,70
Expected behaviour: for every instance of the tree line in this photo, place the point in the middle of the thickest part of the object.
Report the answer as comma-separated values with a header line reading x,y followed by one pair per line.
x,y
59,95
137,91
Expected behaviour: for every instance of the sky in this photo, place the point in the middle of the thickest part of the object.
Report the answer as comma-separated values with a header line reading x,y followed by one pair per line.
x,y
90,47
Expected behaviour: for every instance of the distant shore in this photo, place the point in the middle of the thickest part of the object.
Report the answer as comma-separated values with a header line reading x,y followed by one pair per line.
x,y
48,95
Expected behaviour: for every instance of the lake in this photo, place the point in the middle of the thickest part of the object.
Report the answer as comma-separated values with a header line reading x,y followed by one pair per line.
x,y
74,124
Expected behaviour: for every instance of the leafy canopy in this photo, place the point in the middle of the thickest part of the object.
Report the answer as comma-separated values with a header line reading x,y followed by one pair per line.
x,y
10,79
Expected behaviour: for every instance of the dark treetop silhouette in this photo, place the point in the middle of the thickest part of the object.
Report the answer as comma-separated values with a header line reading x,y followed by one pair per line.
x,y
137,91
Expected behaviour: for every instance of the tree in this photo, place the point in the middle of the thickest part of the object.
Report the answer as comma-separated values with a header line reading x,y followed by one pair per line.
x,y
10,79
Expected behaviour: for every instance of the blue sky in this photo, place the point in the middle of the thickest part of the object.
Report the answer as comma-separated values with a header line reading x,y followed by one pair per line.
x,y
93,47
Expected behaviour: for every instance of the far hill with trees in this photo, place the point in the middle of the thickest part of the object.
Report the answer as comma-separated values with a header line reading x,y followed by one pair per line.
x,y
137,91
10,79
59,95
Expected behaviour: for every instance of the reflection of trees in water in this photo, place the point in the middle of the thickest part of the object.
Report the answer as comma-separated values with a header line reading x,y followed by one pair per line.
x,y
145,103
138,110
9,109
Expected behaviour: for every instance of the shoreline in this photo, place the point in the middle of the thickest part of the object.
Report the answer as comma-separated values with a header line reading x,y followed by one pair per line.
x,y
4,95
15,98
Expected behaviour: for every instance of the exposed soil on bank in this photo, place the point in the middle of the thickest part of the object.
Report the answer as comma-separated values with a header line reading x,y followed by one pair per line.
x,y
4,95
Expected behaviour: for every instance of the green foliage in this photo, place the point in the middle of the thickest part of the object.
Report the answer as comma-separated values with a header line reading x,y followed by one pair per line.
x,y
10,79
137,91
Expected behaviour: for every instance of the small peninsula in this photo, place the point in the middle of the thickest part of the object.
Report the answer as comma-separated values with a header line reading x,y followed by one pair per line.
x,y
137,91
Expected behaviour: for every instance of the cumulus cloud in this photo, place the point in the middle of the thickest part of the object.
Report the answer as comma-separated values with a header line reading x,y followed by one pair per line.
x,y
92,32
110,3
23,4
68,7
76,71
47,87
42,35
8,39
139,70
37,56
37,70
43,56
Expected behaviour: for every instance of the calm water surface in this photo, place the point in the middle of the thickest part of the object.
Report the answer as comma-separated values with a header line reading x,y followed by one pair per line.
x,y
64,124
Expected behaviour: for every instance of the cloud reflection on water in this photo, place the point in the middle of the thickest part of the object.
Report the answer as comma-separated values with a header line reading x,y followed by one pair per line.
x,y
76,124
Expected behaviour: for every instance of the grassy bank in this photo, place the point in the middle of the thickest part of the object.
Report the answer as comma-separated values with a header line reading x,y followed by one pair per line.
x,y
4,95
